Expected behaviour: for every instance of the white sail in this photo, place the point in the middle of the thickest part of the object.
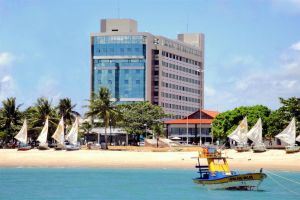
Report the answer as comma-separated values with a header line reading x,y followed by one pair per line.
x,y
255,134
298,138
22,135
59,134
73,134
288,135
240,133
43,135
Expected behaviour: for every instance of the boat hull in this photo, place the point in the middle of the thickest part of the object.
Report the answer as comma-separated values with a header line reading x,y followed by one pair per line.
x,y
242,148
292,149
259,149
26,148
250,181
60,147
72,147
43,147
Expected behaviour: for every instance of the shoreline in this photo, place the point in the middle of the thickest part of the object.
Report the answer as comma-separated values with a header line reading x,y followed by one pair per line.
x,y
273,160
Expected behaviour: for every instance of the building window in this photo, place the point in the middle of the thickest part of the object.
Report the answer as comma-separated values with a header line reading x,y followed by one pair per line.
x,y
138,82
126,81
110,71
137,71
109,82
126,71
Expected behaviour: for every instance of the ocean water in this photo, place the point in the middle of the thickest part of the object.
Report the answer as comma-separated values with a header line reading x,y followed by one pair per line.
x,y
128,184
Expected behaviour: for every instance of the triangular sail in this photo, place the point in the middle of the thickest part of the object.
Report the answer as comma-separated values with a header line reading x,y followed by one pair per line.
x,y
22,135
255,134
43,135
59,133
73,134
288,135
298,138
240,133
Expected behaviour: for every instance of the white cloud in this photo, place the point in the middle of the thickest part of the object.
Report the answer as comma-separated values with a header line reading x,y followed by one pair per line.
x,y
49,88
209,91
262,86
286,6
6,59
296,46
7,87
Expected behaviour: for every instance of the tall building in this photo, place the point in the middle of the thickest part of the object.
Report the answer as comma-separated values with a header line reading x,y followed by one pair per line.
x,y
140,66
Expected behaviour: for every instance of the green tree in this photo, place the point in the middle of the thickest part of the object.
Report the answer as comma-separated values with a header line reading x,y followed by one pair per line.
x,y
10,119
137,117
66,110
281,117
37,115
158,130
227,121
101,107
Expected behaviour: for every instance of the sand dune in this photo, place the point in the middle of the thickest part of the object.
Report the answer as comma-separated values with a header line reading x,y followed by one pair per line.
x,y
270,160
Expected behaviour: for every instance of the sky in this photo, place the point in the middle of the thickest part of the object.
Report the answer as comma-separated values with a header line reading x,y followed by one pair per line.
x,y
252,48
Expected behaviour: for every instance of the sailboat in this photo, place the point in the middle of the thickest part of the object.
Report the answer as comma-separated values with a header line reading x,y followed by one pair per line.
x,y
43,137
22,138
288,135
255,134
240,136
59,135
72,137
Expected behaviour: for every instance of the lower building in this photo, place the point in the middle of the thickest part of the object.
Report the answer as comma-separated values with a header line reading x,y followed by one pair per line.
x,y
194,129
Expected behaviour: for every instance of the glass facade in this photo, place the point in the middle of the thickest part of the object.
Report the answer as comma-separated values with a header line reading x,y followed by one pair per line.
x,y
119,64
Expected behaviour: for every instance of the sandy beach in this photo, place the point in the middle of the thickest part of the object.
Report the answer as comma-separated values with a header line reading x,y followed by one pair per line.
x,y
270,160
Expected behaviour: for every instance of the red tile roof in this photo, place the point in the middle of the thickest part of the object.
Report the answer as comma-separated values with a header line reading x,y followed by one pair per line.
x,y
213,114
189,121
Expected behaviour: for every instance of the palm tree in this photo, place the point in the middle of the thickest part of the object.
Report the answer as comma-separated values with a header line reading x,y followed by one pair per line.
x,y
37,115
10,118
66,109
102,107
158,129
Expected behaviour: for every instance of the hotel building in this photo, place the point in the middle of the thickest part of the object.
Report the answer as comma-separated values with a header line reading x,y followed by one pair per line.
x,y
140,66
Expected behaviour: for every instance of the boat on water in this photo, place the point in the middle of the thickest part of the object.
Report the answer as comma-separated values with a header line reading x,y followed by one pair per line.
x,y
72,137
216,174
43,137
288,135
59,135
239,135
22,138
255,135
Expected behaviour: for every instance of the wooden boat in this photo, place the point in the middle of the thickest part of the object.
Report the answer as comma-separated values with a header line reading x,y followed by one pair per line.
x,y
59,135
292,148
240,136
242,148
43,137
22,138
217,175
43,147
72,137
288,135
255,135
259,148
